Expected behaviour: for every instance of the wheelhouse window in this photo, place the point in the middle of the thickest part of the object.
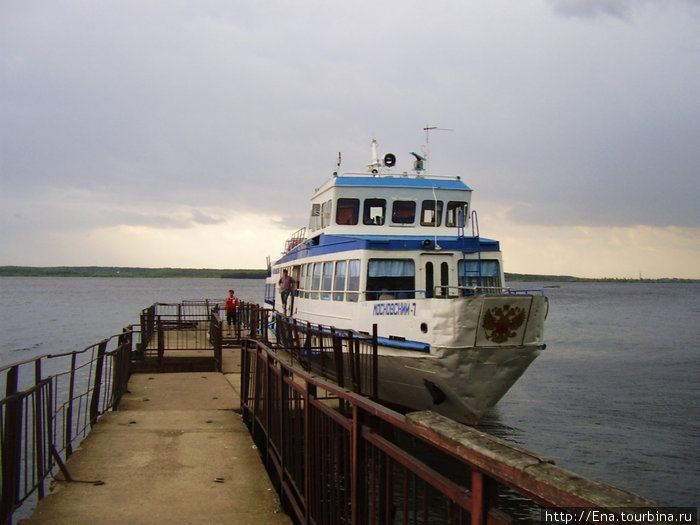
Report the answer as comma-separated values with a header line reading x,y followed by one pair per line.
x,y
326,209
428,215
353,288
483,274
315,219
456,215
391,279
374,212
347,211
403,212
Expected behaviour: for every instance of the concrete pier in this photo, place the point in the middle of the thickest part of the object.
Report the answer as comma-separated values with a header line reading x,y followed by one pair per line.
x,y
175,452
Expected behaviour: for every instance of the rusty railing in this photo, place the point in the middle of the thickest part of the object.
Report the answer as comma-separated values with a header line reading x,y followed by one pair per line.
x,y
44,416
346,357
338,457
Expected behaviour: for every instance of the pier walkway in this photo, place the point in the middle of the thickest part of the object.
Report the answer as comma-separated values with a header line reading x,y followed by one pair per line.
x,y
176,451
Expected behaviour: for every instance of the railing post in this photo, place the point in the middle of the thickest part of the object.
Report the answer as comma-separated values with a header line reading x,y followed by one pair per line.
x,y
484,494
39,428
216,329
309,391
375,363
358,494
99,364
338,357
11,457
68,430
161,343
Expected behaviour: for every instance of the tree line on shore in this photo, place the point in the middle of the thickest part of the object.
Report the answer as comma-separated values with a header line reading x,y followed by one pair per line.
x,y
123,271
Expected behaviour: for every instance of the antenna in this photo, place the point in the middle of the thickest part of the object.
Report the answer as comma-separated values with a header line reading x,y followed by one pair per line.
x,y
428,128
337,166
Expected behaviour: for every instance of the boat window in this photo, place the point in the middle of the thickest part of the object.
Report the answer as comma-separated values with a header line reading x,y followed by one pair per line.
x,y
444,278
353,281
339,281
429,280
302,281
316,281
309,279
456,214
326,209
390,279
347,211
327,282
428,217
315,219
374,211
482,273
403,212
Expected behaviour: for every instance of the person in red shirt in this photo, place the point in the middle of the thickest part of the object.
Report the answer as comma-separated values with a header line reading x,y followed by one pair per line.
x,y
231,309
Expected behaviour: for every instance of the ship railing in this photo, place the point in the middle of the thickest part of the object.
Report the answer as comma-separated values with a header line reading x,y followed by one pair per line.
x,y
297,237
403,175
338,457
345,356
472,290
43,417
384,294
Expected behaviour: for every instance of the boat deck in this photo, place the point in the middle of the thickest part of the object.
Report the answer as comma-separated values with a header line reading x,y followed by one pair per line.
x,y
176,451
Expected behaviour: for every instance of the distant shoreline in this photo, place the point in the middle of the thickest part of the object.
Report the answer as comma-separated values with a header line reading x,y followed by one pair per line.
x,y
124,271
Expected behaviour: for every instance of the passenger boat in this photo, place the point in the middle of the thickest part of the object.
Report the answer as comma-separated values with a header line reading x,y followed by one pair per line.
x,y
403,251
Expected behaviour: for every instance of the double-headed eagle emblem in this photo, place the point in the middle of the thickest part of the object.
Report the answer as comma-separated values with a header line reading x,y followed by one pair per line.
x,y
502,322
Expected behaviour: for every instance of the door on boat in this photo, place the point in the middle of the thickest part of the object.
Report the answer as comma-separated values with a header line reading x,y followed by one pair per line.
x,y
436,272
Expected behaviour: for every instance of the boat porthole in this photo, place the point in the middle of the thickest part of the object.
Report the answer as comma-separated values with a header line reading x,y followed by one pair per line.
x,y
424,328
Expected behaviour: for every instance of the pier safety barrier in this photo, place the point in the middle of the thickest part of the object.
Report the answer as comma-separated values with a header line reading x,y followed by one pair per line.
x,y
338,457
346,357
44,416
193,326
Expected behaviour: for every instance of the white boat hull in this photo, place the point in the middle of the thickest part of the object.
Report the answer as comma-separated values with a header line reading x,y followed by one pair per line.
x,y
473,380
475,348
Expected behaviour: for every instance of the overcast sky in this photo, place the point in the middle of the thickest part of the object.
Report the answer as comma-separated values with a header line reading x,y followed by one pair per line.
x,y
192,134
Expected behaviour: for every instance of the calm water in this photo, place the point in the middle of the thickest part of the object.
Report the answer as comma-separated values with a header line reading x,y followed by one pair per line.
x,y
615,396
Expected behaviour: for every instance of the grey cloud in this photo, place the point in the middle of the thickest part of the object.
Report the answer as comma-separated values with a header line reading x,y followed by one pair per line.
x,y
245,110
200,218
592,8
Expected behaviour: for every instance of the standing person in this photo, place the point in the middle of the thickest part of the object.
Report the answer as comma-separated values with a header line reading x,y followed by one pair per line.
x,y
231,310
286,284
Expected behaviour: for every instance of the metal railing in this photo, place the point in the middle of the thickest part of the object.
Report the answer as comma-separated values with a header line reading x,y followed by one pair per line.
x,y
43,417
338,457
346,357
186,326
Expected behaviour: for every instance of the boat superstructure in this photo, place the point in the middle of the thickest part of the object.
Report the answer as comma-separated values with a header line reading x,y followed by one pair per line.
x,y
403,251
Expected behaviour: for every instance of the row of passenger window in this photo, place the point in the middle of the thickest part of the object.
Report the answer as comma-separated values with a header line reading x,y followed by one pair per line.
x,y
386,278
374,213
338,280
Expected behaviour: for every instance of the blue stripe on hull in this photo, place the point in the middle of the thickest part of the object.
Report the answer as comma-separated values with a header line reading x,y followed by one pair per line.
x,y
401,182
417,346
